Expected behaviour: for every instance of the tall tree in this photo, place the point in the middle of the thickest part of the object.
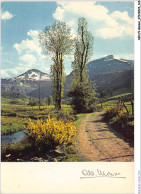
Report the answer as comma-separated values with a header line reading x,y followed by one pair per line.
x,y
83,95
83,49
56,41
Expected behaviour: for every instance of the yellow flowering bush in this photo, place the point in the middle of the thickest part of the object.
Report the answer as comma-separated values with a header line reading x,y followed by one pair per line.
x,y
52,132
113,111
122,112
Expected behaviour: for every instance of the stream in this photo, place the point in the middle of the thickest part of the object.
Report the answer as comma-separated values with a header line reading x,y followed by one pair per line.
x,y
13,137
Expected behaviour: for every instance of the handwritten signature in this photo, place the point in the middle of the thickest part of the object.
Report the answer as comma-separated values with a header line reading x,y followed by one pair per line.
x,y
100,173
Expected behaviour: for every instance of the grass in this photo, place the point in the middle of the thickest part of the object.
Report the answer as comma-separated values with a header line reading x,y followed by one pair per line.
x,y
12,124
126,95
26,150
113,101
80,117
15,117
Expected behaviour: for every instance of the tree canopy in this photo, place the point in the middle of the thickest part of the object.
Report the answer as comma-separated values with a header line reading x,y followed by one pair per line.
x,y
83,49
83,95
56,41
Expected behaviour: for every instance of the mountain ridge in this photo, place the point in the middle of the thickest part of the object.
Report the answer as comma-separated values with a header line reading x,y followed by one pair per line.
x,y
34,75
118,72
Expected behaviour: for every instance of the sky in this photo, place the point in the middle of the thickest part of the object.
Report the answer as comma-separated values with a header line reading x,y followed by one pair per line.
x,y
111,23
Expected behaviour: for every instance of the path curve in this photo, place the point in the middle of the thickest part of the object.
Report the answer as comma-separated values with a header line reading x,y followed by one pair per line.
x,y
99,142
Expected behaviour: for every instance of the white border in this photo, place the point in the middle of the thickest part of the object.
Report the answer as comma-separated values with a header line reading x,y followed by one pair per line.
x,y
137,90
137,81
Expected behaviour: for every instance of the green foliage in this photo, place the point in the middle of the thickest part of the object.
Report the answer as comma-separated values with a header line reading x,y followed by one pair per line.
x,y
121,121
16,118
36,102
8,94
79,119
65,116
57,41
12,124
83,50
50,100
83,98
15,101
83,95
125,97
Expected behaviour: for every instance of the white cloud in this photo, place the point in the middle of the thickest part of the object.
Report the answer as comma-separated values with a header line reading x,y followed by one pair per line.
x,y
123,16
101,22
126,56
13,71
58,13
29,45
23,67
30,54
4,74
6,15
28,58
33,33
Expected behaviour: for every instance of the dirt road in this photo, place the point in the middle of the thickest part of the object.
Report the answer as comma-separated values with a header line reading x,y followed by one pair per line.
x,y
99,142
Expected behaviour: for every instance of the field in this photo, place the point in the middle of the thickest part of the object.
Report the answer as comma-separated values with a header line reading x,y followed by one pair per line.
x,y
15,117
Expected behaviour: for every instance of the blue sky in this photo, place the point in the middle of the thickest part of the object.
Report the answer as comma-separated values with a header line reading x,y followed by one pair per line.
x,y
112,24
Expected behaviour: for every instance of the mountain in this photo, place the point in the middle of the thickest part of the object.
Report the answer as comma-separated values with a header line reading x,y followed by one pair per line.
x,y
32,75
45,90
112,77
26,82
108,64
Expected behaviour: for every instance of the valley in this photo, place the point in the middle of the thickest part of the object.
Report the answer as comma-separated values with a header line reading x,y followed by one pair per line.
x,y
107,126
29,97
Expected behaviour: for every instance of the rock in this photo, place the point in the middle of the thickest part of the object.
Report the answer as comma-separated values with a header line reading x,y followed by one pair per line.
x,y
19,160
7,156
59,150
39,159
55,160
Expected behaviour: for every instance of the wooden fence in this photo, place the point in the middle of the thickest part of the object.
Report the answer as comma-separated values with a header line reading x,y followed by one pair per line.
x,y
119,104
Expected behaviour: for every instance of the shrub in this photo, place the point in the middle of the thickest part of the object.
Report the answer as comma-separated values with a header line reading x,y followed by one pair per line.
x,y
64,116
110,112
52,132
35,102
121,121
14,101
83,98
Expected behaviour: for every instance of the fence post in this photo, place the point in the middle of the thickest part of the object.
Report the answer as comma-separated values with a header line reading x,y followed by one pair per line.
x,y
132,104
117,106
126,108
120,104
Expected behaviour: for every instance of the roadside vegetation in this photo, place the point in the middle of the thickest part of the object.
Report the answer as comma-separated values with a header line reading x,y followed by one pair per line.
x,y
119,113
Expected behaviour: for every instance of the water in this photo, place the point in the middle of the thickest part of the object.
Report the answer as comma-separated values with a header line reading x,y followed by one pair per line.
x,y
13,137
